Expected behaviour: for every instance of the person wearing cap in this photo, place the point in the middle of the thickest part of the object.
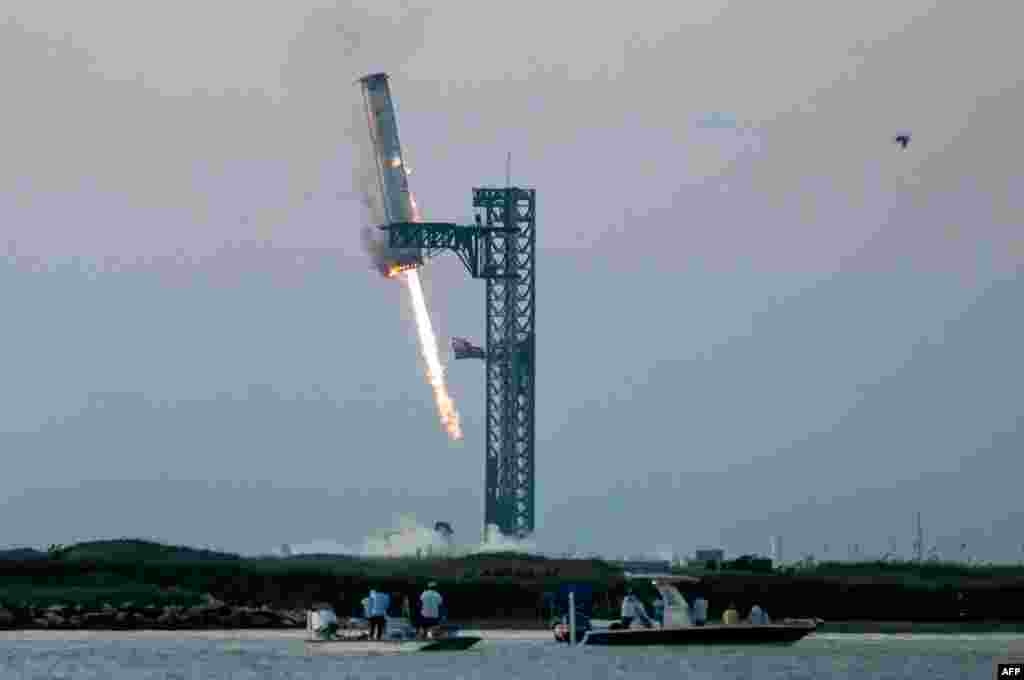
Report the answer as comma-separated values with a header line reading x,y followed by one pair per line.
x,y
430,609
379,603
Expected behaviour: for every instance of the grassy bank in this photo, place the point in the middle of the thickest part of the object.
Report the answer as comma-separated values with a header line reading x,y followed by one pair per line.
x,y
496,585
501,587
939,593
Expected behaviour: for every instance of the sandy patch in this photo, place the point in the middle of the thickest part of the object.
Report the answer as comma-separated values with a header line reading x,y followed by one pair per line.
x,y
243,634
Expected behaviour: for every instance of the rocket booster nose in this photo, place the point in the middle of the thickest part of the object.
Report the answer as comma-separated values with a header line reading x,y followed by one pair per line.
x,y
392,184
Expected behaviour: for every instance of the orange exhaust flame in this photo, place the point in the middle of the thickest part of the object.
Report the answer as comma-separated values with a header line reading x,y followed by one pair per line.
x,y
428,344
431,354
397,269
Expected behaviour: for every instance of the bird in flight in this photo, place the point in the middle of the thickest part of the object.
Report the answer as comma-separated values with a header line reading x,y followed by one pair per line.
x,y
902,139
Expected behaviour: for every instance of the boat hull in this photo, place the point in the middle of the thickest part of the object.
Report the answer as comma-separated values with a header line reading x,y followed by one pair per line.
x,y
738,634
341,646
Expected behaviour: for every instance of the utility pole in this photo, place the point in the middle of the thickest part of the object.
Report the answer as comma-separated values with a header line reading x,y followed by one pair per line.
x,y
919,540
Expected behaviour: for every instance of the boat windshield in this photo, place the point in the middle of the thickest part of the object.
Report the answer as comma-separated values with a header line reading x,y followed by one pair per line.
x,y
671,595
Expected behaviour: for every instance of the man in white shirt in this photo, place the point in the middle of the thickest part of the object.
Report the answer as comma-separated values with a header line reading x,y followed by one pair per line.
x,y
430,609
324,622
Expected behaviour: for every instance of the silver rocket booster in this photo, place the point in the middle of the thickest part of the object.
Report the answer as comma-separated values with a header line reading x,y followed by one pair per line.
x,y
387,197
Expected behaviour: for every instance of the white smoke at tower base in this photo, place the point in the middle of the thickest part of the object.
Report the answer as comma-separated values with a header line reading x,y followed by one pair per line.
x,y
409,538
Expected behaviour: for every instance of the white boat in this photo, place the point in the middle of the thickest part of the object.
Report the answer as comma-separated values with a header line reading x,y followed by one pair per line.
x,y
677,629
400,637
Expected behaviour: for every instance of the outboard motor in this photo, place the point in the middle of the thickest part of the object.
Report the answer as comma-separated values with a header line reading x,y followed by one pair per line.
x,y
583,595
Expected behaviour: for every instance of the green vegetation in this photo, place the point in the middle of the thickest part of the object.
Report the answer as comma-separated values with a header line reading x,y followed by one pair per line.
x,y
946,572
953,573
506,584
496,585
894,591
135,550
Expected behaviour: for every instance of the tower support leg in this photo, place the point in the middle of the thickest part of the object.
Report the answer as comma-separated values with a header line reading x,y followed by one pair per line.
x,y
509,475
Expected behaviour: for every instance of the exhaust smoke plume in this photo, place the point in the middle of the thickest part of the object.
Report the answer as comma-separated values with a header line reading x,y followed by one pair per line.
x,y
408,538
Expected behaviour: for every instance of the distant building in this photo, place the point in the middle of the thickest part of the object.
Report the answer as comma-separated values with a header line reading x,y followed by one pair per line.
x,y
647,565
709,557
776,550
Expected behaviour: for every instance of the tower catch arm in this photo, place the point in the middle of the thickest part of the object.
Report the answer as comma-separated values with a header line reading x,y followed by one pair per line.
x,y
464,241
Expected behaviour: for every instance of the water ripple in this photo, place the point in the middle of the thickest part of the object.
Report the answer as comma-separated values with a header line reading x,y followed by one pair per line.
x,y
835,656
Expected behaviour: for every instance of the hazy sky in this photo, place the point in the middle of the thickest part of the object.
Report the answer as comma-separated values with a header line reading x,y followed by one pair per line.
x,y
783,327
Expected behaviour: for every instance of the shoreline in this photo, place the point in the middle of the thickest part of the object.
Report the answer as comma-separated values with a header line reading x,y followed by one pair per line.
x,y
488,630
228,635
931,627
131,584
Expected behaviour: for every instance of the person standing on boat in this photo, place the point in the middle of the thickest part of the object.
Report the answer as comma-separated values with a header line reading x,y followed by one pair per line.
x,y
700,610
628,611
379,603
633,608
430,609
731,616
324,622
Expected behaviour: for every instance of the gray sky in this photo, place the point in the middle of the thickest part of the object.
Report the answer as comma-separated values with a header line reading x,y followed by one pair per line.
x,y
786,327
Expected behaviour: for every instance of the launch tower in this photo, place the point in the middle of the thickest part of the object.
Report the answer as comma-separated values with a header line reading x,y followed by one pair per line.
x,y
511,348
500,248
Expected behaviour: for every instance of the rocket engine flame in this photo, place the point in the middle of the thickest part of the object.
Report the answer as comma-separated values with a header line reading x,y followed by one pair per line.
x,y
431,354
428,345
396,269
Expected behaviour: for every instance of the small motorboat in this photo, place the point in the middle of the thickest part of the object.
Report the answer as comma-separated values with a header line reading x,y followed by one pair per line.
x,y
353,638
342,645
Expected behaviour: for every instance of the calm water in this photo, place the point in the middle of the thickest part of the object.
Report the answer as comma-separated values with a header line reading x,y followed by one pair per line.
x,y
824,656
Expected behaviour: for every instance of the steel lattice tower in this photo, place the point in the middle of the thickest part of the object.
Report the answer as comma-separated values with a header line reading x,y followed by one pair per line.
x,y
500,249
508,266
